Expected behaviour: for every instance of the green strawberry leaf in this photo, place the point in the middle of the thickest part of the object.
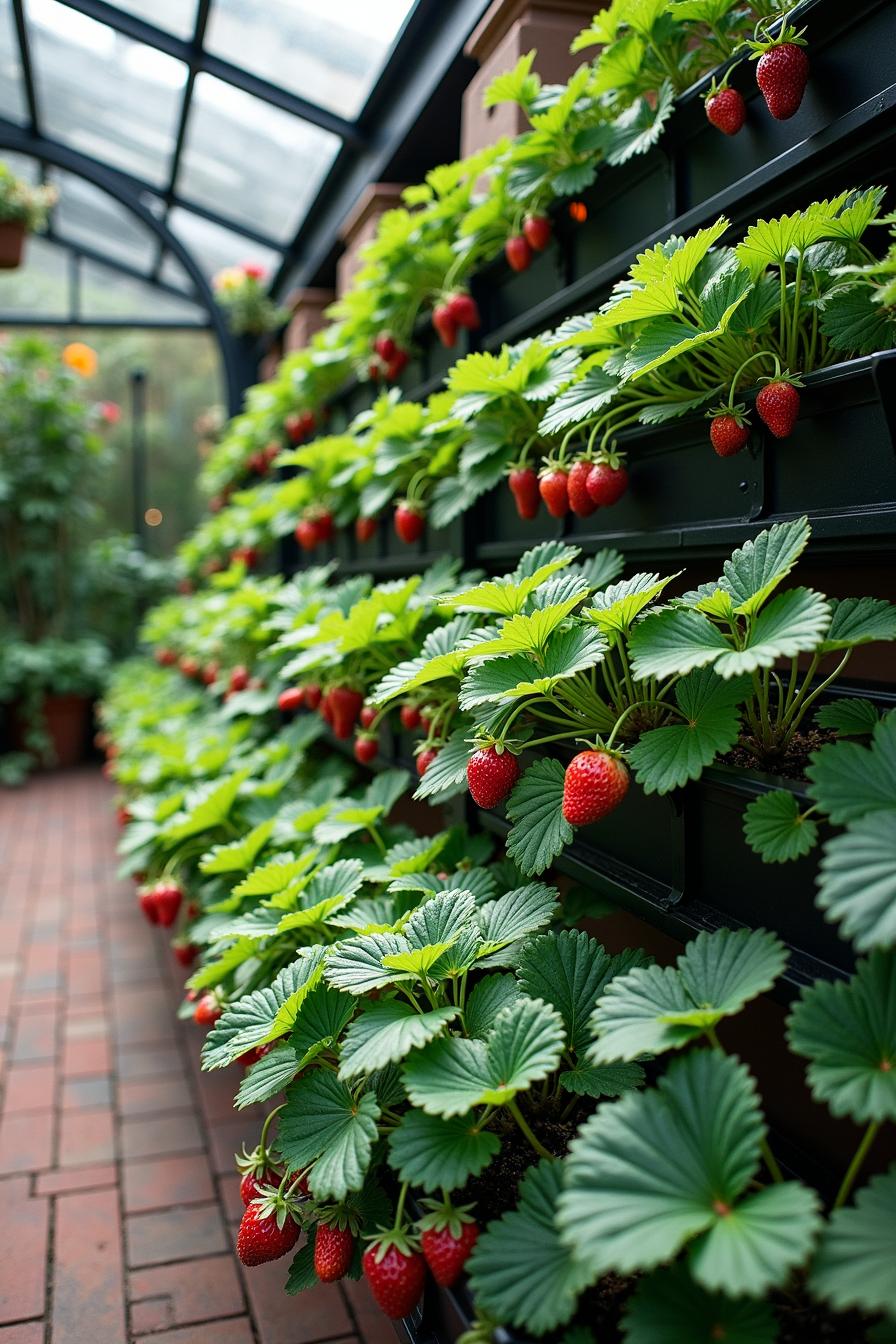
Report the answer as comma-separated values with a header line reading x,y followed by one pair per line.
x,y
668,1307
793,622
275,875
540,830
668,1168
302,1274
615,608
507,596
520,1271
857,883
756,568
385,1032
673,642
357,964
447,775
848,780
849,717
666,758
568,970
859,620
239,855
268,1076
485,1002
507,678
264,1014
605,1080
321,1021
323,1123
510,918
848,1032
775,827
435,1153
205,807
452,1074
853,1266
580,401
657,1008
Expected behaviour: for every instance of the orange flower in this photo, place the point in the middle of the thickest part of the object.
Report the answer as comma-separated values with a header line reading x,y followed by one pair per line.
x,y
81,358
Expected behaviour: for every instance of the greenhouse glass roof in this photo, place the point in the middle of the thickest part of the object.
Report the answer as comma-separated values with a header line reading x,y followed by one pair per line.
x,y
172,127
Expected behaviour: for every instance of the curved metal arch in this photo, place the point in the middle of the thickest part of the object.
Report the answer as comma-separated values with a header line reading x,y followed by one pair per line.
x,y
238,358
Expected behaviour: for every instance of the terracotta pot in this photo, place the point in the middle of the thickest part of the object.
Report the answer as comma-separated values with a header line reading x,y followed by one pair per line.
x,y
12,245
65,717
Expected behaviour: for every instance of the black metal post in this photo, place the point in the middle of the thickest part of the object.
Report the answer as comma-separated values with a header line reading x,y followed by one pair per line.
x,y
138,453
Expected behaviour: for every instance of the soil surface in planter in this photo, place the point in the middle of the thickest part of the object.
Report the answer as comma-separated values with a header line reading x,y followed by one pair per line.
x,y
792,765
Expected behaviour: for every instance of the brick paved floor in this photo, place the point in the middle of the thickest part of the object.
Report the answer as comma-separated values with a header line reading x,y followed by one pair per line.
x,y
119,1196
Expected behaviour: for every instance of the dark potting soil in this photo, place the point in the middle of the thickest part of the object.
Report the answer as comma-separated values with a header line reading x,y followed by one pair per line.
x,y
791,764
802,1321
495,1190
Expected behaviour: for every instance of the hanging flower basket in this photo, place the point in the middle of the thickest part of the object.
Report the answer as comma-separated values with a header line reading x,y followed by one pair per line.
x,y
23,208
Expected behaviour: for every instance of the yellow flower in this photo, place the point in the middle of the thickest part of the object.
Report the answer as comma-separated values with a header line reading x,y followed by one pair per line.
x,y
230,278
81,358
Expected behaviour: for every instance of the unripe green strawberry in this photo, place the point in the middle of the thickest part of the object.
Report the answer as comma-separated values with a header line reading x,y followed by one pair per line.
x,y
333,1250
594,784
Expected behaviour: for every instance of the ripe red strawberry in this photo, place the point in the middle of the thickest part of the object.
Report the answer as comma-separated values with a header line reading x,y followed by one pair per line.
x,y
308,422
778,405
168,898
726,110
396,366
189,666
518,252
252,1183
425,760
262,1237
445,325
553,486
580,500
446,1254
728,432
239,678
291,699
365,529
782,75
607,484
312,695
367,716
147,899
166,657
409,522
207,1011
306,534
122,816
595,783
410,717
293,426
345,706
333,1251
537,231
323,525
249,555
185,953
396,1278
385,346
374,370
524,488
210,674
491,775
464,311
366,748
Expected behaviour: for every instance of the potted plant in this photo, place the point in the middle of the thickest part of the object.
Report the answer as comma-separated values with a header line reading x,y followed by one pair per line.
x,y
240,291
23,209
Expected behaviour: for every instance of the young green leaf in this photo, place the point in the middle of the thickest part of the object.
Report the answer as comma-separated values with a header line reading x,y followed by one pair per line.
x,y
848,1032
654,1008
239,855
775,828
660,1169
436,1153
520,1271
756,568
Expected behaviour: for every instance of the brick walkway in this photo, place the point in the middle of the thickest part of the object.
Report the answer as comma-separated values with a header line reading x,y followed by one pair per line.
x,y
118,1191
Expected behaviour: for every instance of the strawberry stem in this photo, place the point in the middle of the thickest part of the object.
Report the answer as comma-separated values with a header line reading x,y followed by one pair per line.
x,y
520,1119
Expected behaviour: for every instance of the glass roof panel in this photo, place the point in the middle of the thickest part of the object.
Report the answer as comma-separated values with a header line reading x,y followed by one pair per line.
x,y
101,93
106,293
174,274
40,286
175,16
214,247
87,215
12,97
329,53
250,161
